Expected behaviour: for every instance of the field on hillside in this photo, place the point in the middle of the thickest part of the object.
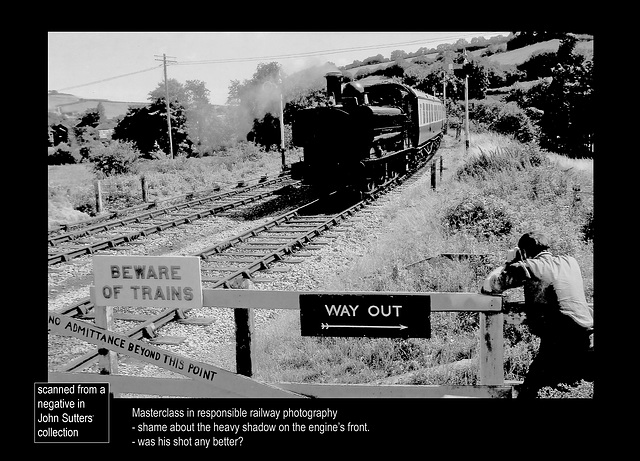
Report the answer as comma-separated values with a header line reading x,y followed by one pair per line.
x,y
514,57
68,103
520,55
55,100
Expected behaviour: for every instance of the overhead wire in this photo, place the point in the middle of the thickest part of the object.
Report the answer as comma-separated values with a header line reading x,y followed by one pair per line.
x,y
282,56
111,78
321,52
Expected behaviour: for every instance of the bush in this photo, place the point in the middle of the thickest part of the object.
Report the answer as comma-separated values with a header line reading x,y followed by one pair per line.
x,y
244,152
507,119
513,121
517,158
581,390
61,155
484,112
116,158
482,216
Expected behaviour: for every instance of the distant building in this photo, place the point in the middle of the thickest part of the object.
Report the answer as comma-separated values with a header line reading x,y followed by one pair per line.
x,y
105,134
58,134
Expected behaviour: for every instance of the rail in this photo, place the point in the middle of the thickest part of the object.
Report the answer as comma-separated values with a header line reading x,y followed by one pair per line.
x,y
66,254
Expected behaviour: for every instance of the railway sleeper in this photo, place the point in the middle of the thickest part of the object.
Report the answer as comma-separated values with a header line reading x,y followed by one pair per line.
x,y
150,331
170,340
289,231
244,255
204,321
210,278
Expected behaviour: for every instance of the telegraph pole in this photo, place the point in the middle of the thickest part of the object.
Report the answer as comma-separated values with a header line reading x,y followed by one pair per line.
x,y
284,163
466,102
279,88
166,91
444,97
466,113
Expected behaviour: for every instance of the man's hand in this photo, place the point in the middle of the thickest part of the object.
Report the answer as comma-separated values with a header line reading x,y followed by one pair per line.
x,y
491,284
514,255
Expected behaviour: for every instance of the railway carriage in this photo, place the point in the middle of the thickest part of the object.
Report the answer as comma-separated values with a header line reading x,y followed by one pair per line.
x,y
370,132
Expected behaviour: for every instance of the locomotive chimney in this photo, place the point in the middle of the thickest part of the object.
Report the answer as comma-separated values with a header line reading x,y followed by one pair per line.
x,y
334,80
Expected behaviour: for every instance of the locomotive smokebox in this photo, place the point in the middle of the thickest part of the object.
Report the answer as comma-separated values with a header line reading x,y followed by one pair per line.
x,y
334,82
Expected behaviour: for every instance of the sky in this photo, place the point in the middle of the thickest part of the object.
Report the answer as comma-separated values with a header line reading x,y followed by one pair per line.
x,y
127,66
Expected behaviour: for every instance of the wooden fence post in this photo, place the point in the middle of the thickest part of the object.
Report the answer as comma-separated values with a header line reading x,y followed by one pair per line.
x,y
433,175
108,360
98,190
244,320
491,348
145,189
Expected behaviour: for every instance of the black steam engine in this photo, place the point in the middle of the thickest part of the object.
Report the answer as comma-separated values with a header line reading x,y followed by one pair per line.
x,y
370,132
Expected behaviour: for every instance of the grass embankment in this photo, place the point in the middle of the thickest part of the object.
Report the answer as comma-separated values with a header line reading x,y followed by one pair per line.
x,y
483,205
71,189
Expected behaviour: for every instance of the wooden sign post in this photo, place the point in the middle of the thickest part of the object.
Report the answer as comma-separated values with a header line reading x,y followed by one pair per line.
x,y
108,361
147,281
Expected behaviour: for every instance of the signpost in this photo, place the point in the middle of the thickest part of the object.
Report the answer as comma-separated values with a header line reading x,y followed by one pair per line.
x,y
148,281
365,315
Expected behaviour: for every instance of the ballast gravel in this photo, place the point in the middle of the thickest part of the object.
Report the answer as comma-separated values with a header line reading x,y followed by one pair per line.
x,y
214,344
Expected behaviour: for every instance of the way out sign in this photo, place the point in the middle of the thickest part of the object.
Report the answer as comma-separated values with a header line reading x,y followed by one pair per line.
x,y
147,281
365,315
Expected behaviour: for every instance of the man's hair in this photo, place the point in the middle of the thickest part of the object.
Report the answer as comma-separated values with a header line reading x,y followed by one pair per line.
x,y
532,243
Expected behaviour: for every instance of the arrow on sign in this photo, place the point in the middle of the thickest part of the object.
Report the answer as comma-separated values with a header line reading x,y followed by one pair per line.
x,y
326,326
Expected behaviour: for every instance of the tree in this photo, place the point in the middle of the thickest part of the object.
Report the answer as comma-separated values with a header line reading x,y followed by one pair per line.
x,y
397,55
207,129
567,124
538,65
564,103
460,44
147,128
479,41
90,118
478,75
85,130
176,90
374,60
101,111
254,99
199,111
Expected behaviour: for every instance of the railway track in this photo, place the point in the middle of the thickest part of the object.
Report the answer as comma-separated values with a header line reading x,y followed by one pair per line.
x,y
238,258
65,246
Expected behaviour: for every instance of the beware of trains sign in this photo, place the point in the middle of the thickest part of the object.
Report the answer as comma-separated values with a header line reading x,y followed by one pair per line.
x,y
147,281
370,315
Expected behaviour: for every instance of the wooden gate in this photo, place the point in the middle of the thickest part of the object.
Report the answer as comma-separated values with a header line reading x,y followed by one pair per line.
x,y
204,380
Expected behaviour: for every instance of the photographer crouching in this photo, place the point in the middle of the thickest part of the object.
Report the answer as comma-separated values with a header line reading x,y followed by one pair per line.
x,y
556,310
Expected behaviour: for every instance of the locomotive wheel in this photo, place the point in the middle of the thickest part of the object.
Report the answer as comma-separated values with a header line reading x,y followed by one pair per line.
x,y
428,149
369,185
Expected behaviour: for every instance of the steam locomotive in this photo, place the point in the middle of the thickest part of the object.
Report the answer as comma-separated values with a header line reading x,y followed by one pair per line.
x,y
371,131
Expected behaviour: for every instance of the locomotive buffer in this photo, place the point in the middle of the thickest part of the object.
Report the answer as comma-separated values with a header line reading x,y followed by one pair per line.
x,y
365,315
